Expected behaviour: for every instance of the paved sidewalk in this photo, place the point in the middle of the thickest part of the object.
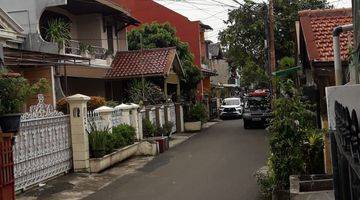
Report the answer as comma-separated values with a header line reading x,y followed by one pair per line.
x,y
76,186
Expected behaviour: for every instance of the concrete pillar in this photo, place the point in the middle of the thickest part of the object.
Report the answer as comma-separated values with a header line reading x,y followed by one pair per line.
x,y
79,136
162,115
182,119
106,116
125,113
166,113
135,120
157,116
141,134
178,117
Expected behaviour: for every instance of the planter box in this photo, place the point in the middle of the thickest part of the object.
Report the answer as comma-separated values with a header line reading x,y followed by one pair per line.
x,y
148,148
192,126
317,187
99,164
163,143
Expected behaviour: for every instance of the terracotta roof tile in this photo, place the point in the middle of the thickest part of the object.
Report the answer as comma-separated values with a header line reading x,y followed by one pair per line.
x,y
151,62
318,25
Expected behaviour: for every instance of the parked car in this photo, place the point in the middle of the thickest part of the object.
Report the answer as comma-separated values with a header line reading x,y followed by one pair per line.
x,y
230,108
257,109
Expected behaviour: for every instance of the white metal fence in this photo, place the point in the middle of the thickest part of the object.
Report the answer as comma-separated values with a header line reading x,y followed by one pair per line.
x,y
42,147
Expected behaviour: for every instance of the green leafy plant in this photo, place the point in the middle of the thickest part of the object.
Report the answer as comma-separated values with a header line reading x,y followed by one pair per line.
x,y
126,132
145,91
15,91
291,135
58,31
266,180
197,113
100,143
149,129
165,129
112,104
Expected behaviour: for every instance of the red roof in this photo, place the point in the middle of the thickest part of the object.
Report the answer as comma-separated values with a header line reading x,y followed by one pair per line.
x,y
150,62
317,27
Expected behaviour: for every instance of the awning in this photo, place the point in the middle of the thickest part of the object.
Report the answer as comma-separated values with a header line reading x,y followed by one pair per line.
x,y
286,72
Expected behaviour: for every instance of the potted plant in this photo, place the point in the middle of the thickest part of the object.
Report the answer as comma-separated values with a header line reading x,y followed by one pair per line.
x,y
14,91
195,117
58,32
83,48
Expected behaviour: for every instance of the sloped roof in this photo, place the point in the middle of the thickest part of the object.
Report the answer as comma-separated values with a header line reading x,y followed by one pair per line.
x,y
317,27
150,62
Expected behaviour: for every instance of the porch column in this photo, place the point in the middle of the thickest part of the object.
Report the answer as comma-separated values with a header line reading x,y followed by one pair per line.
x,y
178,91
79,136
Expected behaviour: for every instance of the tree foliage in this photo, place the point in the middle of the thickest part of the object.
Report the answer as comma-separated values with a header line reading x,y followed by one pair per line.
x,y
157,35
295,142
246,30
253,75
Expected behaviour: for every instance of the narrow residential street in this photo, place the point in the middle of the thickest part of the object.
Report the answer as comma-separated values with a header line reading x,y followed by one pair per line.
x,y
218,163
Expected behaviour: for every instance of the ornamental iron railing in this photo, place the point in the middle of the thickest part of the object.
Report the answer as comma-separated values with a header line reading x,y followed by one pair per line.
x,y
42,147
345,148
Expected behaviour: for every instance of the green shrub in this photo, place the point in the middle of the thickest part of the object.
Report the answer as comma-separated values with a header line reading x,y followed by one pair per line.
x,y
295,142
165,129
118,139
149,129
16,90
126,132
197,113
266,180
100,143
112,104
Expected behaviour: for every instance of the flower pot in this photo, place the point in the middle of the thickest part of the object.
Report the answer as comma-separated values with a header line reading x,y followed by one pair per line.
x,y
193,126
10,123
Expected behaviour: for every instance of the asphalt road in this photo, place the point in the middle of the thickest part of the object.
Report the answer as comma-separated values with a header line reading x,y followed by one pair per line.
x,y
217,164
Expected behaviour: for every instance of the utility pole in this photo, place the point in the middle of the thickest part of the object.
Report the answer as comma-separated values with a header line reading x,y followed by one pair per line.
x,y
272,37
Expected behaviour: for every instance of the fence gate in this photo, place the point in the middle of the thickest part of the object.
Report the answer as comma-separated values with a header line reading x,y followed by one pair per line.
x,y
345,147
42,147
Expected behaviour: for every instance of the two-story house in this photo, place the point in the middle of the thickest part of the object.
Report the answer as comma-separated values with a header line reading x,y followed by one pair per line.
x,y
97,29
191,32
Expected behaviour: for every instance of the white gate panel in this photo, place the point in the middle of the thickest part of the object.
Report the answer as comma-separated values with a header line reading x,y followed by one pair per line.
x,y
42,148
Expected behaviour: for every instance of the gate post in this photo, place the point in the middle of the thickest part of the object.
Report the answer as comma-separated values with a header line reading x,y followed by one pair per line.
x,y
135,120
178,117
79,136
105,113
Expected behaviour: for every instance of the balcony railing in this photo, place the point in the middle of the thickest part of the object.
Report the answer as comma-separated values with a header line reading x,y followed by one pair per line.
x,y
74,47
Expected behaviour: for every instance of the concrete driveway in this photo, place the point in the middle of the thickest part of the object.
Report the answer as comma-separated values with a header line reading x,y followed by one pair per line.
x,y
217,164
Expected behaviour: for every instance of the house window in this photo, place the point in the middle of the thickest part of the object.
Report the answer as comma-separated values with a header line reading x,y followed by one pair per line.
x,y
46,18
109,30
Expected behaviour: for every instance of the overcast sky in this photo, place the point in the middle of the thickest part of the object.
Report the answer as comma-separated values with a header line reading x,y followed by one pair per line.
x,y
214,12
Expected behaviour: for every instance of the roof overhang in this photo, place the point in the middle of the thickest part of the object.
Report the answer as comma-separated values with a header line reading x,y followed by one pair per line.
x,y
106,7
208,72
205,26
